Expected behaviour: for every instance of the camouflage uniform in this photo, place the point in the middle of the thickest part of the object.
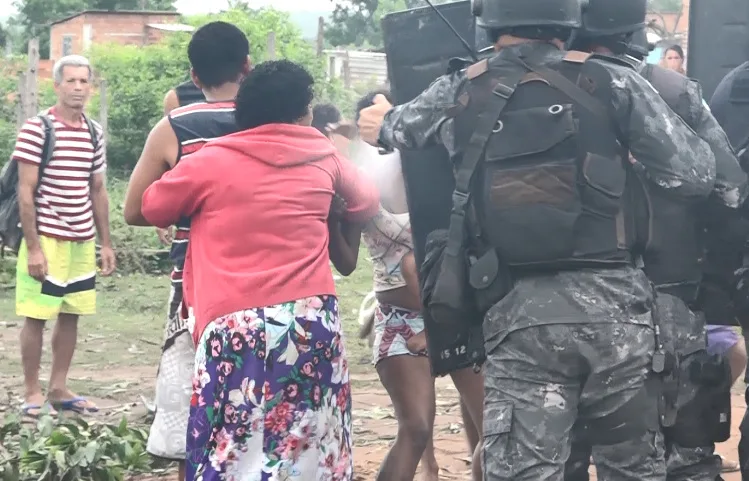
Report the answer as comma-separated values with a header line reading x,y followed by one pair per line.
x,y
730,180
552,332
698,463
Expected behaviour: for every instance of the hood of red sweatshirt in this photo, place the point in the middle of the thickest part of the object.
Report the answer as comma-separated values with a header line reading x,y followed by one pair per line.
x,y
281,145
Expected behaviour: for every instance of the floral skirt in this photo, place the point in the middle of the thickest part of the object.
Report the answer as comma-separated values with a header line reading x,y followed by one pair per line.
x,y
272,399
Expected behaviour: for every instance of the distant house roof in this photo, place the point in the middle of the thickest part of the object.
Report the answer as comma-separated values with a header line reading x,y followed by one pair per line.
x,y
116,12
171,27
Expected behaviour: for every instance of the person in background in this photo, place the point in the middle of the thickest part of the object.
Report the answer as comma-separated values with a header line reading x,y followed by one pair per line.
x,y
399,349
186,93
345,237
61,212
673,58
183,94
219,59
271,398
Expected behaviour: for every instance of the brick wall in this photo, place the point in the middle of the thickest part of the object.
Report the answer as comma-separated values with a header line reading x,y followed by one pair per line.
x,y
122,28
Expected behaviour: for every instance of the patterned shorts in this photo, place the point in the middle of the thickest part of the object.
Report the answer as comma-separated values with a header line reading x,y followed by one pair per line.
x,y
393,327
720,339
70,286
271,398
173,384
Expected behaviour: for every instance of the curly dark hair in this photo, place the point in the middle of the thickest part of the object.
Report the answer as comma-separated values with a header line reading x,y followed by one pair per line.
x,y
368,100
274,92
324,114
218,53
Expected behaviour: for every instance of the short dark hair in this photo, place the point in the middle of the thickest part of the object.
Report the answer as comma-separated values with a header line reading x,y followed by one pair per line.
x,y
218,53
324,114
618,44
274,92
676,48
535,33
368,100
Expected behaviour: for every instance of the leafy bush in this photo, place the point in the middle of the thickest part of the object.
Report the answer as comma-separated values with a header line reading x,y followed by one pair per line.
x,y
139,77
138,248
70,450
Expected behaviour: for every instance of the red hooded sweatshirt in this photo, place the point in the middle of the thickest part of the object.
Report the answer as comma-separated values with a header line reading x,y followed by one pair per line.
x,y
259,202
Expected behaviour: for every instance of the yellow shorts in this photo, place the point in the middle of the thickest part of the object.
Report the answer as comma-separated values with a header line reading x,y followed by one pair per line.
x,y
70,286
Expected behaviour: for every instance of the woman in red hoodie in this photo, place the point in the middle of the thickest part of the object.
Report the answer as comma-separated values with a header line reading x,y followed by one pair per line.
x,y
271,398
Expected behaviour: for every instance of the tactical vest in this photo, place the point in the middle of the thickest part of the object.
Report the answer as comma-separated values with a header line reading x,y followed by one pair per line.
x,y
673,249
551,192
189,93
672,87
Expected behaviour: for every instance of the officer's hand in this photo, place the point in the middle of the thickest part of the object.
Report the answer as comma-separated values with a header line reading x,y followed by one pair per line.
x,y
370,119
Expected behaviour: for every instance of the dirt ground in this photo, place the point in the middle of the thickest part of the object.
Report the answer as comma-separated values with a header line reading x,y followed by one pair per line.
x,y
118,352
374,423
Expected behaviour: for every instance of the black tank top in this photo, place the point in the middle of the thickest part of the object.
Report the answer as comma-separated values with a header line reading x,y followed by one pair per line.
x,y
195,125
189,93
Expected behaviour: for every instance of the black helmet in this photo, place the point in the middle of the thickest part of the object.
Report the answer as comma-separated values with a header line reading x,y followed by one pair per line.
x,y
638,46
602,18
506,14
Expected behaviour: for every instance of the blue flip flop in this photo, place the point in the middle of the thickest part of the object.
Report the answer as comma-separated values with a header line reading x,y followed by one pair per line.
x,y
26,408
72,405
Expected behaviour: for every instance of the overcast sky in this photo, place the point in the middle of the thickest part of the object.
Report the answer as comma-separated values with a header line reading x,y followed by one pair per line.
x,y
202,6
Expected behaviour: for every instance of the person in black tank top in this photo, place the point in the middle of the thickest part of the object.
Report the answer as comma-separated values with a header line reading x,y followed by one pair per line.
x,y
219,57
186,93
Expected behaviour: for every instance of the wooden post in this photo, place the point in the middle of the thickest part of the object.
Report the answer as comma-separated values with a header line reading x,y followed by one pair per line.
x,y
347,71
21,102
320,36
271,49
103,113
32,89
332,73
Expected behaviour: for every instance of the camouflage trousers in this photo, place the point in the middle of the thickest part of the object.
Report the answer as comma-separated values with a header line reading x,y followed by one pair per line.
x,y
682,464
541,380
686,330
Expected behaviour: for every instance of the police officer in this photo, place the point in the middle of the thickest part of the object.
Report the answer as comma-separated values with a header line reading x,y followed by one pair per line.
x,y
730,104
574,340
674,245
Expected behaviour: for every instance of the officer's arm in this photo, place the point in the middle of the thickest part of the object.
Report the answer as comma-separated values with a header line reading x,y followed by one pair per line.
x,y
670,153
731,186
416,124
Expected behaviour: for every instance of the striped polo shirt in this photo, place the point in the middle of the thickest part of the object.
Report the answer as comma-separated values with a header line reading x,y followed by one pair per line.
x,y
63,202
195,125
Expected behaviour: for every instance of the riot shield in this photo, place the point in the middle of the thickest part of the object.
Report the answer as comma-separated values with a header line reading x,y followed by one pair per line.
x,y
419,45
718,40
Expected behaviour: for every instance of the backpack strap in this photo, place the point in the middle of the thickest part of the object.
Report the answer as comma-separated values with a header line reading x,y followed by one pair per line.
x,y
48,148
94,137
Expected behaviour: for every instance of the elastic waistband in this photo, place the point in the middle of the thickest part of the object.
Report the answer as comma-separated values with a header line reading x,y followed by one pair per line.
x,y
389,310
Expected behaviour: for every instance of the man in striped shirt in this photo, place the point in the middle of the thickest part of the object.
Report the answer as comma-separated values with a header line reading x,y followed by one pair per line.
x,y
61,211
219,57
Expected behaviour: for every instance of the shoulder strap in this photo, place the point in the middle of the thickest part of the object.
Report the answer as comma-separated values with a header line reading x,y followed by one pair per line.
x,y
48,148
474,151
647,71
573,91
94,137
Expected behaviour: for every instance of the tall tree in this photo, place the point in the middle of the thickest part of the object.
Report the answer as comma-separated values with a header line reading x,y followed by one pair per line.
x,y
357,22
35,15
3,37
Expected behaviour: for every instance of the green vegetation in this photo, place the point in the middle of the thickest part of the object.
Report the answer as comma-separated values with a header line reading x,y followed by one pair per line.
x,y
71,450
119,348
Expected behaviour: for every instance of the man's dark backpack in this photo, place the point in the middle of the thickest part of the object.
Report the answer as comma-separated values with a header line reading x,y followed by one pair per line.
x,y
11,233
